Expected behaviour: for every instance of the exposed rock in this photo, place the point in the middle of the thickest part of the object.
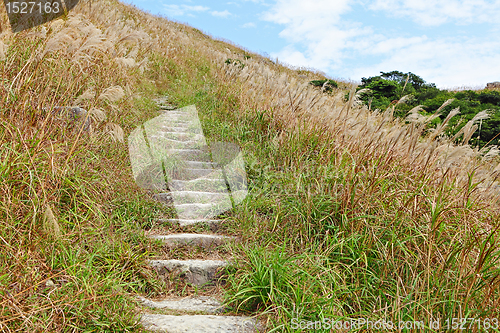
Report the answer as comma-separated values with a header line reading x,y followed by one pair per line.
x,y
72,114
50,284
50,224
168,107
493,85
197,272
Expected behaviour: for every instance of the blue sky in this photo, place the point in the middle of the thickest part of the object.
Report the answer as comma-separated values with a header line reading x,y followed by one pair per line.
x,y
451,43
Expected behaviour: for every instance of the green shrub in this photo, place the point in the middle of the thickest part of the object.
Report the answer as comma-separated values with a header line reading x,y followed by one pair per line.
x,y
235,62
328,85
490,97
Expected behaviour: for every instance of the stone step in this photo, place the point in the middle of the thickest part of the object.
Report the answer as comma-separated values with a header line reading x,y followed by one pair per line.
x,y
175,112
161,99
173,121
200,165
183,197
190,222
179,116
164,137
198,323
166,107
203,304
183,135
203,240
203,211
197,272
173,129
163,122
177,133
185,143
178,111
191,154
199,184
159,140
180,173
197,197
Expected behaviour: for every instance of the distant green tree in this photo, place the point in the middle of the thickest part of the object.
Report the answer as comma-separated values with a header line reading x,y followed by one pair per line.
x,y
389,87
489,97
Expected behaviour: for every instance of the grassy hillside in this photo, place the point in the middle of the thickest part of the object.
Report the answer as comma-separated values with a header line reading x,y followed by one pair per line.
x,y
351,213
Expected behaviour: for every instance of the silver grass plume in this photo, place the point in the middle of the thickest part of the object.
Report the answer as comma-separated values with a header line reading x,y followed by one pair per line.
x,y
404,99
50,224
88,94
97,114
115,131
112,94
469,128
491,153
438,111
3,50
440,128
125,62
414,116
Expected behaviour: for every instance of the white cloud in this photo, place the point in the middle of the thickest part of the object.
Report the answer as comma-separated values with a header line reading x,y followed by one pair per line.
x,y
299,11
320,36
314,25
249,25
384,45
447,62
224,13
180,10
433,13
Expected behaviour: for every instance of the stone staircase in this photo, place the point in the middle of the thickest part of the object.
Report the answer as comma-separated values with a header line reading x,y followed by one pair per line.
x,y
198,189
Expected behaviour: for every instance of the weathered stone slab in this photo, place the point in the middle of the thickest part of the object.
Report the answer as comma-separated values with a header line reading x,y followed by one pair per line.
x,y
167,107
198,197
197,272
200,165
185,173
190,154
178,133
190,222
199,184
176,144
202,304
203,240
203,211
493,85
185,197
173,129
198,324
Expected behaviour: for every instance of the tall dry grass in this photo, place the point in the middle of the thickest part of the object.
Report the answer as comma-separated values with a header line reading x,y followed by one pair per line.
x,y
55,174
